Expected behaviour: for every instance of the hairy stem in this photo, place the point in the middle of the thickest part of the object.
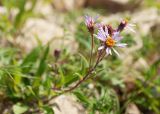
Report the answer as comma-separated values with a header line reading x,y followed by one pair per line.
x,y
91,53
99,58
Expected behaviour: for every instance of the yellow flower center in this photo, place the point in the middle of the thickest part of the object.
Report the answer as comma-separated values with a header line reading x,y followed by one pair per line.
x,y
110,42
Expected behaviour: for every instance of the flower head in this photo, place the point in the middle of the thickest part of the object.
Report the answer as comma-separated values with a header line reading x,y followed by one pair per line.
x,y
109,41
110,30
125,25
90,23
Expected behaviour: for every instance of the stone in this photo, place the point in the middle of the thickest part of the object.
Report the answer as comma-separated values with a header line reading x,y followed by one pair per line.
x,y
68,5
65,104
145,19
115,5
132,109
40,28
48,28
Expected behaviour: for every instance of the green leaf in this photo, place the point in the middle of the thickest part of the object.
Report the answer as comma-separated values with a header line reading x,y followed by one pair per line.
x,y
30,60
82,98
19,108
48,110
70,79
152,72
18,19
43,64
62,80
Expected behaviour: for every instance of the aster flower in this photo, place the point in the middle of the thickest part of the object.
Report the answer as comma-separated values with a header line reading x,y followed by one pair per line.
x,y
109,41
125,25
90,23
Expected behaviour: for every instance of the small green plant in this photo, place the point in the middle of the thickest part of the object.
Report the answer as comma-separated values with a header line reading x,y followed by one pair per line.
x,y
94,74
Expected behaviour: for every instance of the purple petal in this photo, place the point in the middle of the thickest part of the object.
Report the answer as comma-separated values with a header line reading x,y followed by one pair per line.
x,y
101,34
88,20
99,25
108,51
116,36
99,37
101,47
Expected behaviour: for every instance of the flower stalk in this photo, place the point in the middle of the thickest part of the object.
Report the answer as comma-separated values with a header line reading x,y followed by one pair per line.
x,y
109,40
90,72
91,53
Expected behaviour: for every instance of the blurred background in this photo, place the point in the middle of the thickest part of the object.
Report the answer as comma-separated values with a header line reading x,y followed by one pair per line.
x,y
43,43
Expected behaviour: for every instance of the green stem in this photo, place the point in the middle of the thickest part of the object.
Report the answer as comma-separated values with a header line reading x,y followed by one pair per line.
x,y
99,58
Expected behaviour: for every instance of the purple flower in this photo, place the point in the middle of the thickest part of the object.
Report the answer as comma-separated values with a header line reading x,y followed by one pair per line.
x,y
125,25
90,23
109,41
